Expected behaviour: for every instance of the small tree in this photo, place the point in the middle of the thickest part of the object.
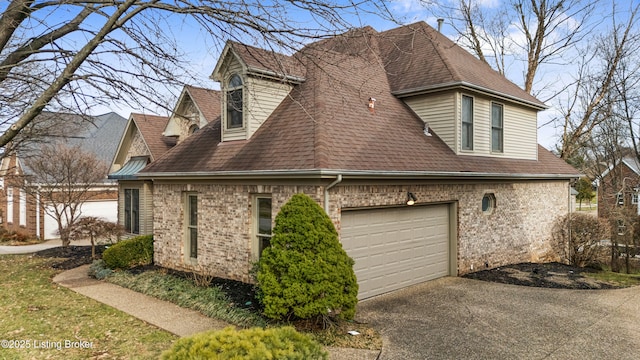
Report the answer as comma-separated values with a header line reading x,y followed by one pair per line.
x,y
94,229
305,273
64,177
578,237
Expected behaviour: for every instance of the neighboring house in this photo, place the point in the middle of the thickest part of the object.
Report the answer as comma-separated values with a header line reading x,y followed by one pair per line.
x,y
98,135
147,138
424,157
618,187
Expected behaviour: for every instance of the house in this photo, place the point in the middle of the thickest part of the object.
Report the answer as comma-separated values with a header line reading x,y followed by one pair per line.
x,y
618,187
25,211
147,138
425,159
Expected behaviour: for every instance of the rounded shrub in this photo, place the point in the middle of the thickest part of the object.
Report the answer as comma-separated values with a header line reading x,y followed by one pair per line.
x,y
305,273
129,253
254,343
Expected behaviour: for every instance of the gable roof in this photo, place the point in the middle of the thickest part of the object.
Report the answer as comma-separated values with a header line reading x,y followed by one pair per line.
x,y
98,135
262,62
419,58
630,161
207,101
325,126
151,127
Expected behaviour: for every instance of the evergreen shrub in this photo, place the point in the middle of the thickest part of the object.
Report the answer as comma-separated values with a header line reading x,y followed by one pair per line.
x,y
305,273
129,253
254,343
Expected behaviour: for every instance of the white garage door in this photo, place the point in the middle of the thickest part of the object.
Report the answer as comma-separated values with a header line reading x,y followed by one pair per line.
x,y
396,247
104,209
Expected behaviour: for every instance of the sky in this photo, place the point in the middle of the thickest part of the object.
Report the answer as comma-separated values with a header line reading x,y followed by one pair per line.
x,y
203,50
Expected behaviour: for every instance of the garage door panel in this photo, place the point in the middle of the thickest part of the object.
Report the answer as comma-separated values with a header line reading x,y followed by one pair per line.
x,y
397,247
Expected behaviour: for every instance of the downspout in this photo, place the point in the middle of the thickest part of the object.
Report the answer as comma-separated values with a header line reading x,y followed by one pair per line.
x,y
326,192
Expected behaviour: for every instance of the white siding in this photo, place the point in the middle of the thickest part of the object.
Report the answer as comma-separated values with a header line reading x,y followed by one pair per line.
x,y
519,124
262,97
439,111
104,209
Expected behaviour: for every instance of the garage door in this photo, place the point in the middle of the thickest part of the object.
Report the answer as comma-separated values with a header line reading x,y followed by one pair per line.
x,y
396,247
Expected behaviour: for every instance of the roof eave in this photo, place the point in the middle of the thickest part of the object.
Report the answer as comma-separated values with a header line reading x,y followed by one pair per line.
x,y
274,75
465,85
352,174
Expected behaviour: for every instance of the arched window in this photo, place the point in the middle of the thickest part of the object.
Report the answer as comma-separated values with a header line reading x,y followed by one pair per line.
x,y
234,102
193,128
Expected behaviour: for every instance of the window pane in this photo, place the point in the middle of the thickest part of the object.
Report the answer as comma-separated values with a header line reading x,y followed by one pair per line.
x,y
467,123
497,132
193,242
264,216
235,81
193,210
135,211
127,210
263,243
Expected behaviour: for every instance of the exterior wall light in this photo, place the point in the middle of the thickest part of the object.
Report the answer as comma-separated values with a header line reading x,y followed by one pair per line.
x,y
411,199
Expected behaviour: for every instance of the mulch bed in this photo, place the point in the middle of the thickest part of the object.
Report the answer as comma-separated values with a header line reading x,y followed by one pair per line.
x,y
547,275
73,256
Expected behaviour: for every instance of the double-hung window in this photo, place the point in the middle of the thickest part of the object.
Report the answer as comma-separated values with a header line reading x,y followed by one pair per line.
x,y
497,127
132,211
192,225
262,216
467,123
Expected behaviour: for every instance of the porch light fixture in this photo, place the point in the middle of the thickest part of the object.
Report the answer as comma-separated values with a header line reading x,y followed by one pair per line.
x,y
411,199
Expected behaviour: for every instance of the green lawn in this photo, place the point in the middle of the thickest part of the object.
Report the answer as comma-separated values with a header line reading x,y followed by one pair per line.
x,y
40,316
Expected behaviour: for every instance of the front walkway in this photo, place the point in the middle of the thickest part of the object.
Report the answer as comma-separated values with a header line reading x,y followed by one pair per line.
x,y
163,314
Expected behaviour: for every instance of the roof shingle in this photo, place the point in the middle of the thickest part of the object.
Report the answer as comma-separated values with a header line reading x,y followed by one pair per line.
x,y
325,122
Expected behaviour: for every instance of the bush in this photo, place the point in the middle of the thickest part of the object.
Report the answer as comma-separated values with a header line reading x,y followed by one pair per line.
x,y
582,248
129,253
305,273
254,343
99,270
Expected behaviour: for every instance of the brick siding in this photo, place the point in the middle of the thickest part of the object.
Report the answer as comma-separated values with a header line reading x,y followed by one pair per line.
x,y
518,230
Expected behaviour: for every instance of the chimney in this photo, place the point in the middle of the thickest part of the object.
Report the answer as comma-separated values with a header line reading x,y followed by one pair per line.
x,y
440,21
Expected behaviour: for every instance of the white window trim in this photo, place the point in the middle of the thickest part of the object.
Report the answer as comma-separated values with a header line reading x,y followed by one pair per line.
x,y
9,205
23,207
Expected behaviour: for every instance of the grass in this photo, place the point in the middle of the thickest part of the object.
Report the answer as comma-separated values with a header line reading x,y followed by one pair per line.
x,y
210,301
618,278
36,310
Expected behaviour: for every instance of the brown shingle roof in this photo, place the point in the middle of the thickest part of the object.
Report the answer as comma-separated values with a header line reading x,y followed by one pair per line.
x,y
207,100
417,56
261,60
325,124
151,127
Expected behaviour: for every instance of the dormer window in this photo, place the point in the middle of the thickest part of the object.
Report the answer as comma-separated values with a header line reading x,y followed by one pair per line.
x,y
234,102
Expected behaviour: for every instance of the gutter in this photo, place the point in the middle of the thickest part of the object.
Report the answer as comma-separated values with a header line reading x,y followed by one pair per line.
x,y
352,174
463,84
326,192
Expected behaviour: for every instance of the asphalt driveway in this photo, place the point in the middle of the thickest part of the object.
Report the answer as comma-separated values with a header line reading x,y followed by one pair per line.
x,y
455,318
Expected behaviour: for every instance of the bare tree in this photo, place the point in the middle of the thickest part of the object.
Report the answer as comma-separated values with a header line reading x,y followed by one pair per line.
x,y
64,177
70,55
593,98
535,32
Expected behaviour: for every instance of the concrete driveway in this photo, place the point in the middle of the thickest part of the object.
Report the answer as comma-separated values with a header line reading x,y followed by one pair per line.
x,y
455,318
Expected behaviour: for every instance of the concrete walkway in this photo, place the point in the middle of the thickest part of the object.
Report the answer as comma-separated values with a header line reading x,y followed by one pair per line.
x,y
30,249
163,314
